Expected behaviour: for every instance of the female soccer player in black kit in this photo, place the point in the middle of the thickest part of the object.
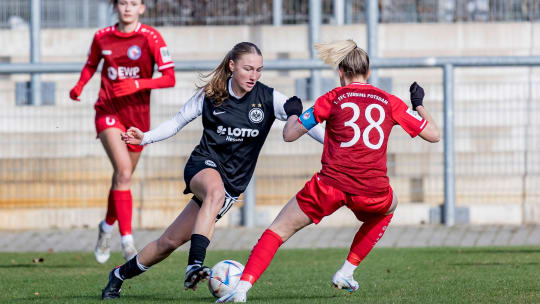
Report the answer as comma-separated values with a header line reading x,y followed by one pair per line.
x,y
237,113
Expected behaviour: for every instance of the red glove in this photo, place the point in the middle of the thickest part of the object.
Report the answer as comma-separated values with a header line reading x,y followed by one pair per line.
x,y
76,92
126,87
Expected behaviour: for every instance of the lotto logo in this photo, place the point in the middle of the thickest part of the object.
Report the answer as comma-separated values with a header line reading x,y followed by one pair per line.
x,y
237,134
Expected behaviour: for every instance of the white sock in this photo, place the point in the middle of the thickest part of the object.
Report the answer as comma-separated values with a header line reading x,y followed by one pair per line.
x,y
348,269
243,286
117,273
128,238
106,227
141,266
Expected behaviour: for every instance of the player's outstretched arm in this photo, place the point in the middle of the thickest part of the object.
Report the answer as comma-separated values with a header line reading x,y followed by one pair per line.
x,y
133,136
130,86
430,132
293,129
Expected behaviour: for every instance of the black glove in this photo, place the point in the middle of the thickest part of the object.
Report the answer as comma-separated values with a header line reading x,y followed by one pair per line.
x,y
417,95
293,106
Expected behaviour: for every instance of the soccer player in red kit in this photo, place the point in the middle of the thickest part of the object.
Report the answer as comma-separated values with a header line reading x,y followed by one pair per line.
x,y
129,51
359,118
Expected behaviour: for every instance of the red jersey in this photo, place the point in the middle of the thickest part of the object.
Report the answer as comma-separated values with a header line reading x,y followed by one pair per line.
x,y
359,118
128,55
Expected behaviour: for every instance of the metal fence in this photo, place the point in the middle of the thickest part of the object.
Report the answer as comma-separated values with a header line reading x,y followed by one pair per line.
x,y
50,157
90,13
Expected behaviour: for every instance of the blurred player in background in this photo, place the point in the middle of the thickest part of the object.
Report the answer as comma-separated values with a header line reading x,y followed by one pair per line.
x,y
359,118
237,114
129,51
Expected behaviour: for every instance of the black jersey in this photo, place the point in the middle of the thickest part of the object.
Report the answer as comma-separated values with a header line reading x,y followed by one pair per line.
x,y
234,133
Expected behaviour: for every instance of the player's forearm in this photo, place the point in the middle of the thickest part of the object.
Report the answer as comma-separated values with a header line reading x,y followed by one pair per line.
x,y
86,74
293,129
163,131
167,80
431,131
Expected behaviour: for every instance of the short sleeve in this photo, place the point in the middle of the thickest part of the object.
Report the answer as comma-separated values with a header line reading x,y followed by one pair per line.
x,y
323,105
160,50
94,54
408,119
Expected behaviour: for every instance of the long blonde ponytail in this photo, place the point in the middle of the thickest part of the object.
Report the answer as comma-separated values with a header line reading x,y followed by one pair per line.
x,y
345,55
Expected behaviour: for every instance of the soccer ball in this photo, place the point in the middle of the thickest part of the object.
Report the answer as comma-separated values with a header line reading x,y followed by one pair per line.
x,y
224,277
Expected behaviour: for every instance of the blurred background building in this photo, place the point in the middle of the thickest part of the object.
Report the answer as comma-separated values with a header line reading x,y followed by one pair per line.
x,y
54,173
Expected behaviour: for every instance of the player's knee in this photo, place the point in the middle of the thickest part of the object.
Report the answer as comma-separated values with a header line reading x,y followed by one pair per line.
x,y
123,176
215,198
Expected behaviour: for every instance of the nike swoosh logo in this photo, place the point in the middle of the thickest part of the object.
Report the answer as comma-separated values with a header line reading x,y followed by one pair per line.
x,y
217,113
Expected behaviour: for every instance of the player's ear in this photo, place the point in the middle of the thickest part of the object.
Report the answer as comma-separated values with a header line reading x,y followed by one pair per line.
x,y
231,65
142,9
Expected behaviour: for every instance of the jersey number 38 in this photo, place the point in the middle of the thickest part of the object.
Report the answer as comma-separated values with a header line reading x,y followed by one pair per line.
x,y
372,125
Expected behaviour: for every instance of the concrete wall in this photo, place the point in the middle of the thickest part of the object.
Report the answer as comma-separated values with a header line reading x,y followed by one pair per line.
x,y
44,149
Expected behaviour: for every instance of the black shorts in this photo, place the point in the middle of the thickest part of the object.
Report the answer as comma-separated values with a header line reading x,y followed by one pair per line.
x,y
194,166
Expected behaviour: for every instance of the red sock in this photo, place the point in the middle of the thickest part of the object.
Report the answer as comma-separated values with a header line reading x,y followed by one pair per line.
x,y
124,205
367,236
261,256
110,218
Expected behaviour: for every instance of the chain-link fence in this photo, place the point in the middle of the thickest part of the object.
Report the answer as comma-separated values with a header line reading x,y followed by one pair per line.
x,y
90,13
50,157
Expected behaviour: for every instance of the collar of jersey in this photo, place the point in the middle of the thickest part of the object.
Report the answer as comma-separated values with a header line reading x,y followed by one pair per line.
x,y
126,35
234,97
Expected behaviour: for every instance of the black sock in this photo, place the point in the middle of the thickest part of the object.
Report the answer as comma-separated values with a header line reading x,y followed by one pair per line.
x,y
130,269
197,251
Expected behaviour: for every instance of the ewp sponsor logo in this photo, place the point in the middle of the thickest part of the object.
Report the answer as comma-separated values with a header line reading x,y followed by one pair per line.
x,y
123,72
236,134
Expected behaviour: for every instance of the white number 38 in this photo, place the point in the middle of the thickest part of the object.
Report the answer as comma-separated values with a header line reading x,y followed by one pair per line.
x,y
372,125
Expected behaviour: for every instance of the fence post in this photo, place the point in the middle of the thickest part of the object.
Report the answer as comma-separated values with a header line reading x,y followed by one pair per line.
x,y
35,50
315,7
372,20
449,213
339,11
277,12
248,210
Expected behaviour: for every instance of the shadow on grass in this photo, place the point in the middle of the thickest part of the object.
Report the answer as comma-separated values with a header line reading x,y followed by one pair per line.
x,y
500,250
494,264
16,266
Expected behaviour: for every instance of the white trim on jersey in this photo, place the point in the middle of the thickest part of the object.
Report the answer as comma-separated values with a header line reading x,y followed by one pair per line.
x,y
166,66
191,110
316,132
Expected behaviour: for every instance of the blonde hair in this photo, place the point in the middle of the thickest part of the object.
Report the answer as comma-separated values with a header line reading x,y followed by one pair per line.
x,y
345,55
216,89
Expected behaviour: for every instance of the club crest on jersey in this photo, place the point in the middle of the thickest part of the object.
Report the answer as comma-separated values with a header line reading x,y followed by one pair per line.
x,y
134,52
256,115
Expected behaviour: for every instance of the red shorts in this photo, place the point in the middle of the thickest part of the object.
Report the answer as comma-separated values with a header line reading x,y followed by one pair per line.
x,y
104,121
318,200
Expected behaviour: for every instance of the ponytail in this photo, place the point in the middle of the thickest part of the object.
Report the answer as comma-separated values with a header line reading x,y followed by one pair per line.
x,y
216,89
345,55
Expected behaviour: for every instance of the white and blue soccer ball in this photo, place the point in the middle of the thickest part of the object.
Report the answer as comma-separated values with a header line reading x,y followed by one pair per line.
x,y
224,277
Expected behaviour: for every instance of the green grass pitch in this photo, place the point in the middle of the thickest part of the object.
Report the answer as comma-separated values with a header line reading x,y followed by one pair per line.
x,y
423,275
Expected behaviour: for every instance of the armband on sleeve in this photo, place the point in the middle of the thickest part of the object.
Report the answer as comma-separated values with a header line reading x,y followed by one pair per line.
x,y
307,119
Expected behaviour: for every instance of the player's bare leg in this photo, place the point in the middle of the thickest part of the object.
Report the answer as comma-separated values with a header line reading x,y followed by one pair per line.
x,y
290,220
208,186
124,163
364,240
177,234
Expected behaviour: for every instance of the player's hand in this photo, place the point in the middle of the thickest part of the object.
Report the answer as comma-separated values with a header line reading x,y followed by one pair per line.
x,y
133,136
75,92
125,87
293,106
417,95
